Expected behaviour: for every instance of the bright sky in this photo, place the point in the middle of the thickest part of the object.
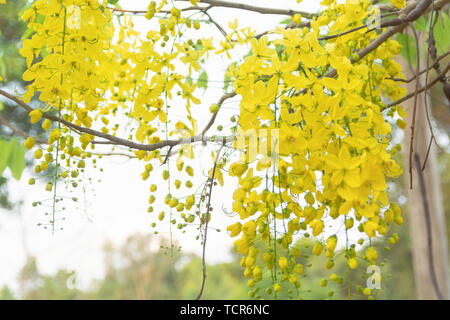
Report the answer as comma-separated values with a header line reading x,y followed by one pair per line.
x,y
116,206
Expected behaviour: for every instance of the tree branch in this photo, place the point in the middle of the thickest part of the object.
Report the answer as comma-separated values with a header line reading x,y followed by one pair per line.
x,y
19,132
436,63
116,140
262,10
411,12
208,207
432,83
214,116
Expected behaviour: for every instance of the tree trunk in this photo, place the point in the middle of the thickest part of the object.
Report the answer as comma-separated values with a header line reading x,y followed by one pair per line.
x,y
424,199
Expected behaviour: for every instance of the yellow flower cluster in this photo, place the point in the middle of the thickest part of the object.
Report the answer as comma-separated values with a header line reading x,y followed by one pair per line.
x,y
329,157
333,135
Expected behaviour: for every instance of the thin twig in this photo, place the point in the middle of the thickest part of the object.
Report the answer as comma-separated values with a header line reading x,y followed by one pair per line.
x,y
20,132
413,11
218,26
428,152
429,52
413,121
167,155
214,116
434,65
262,10
108,154
208,206
430,84
161,11
426,210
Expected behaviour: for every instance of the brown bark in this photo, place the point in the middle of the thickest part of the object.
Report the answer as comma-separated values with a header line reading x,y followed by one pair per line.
x,y
424,199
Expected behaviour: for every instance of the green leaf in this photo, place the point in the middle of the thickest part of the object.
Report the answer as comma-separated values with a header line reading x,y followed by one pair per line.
x,y
40,18
27,34
44,52
16,161
203,80
421,24
115,3
5,151
408,50
442,34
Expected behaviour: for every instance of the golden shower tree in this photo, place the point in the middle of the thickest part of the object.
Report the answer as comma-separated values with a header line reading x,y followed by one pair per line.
x,y
317,99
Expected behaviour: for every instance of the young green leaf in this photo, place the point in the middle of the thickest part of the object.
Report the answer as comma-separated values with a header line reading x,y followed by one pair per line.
x,y
16,161
203,80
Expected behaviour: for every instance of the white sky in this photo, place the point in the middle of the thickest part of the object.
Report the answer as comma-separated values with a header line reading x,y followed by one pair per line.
x,y
117,205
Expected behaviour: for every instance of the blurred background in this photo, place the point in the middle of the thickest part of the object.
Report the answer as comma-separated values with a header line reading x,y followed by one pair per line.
x,y
106,248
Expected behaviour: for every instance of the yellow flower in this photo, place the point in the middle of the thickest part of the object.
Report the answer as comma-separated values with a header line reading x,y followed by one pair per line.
x,y
237,169
190,171
298,268
29,143
249,229
189,202
349,223
46,124
317,226
242,245
292,278
38,154
352,263
35,115
317,249
54,136
257,272
283,262
398,219
296,18
331,243
277,287
329,264
267,257
85,138
234,229
371,254
249,261
296,252
399,4
370,228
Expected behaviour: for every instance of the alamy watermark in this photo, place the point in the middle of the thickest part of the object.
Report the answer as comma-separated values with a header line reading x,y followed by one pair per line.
x,y
374,280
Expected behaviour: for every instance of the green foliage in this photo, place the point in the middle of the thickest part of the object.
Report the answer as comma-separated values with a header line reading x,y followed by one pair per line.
x,y
12,66
441,33
408,50
203,80
134,271
441,37
6,293
12,155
